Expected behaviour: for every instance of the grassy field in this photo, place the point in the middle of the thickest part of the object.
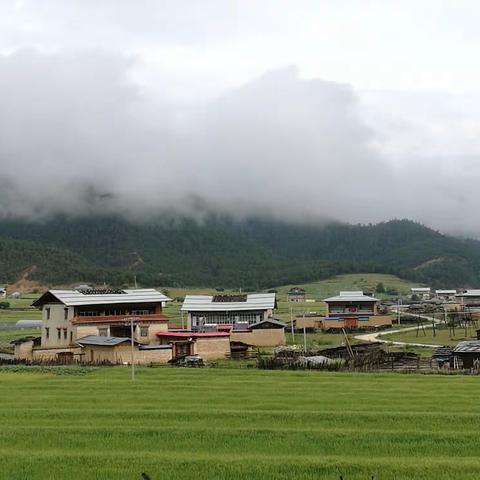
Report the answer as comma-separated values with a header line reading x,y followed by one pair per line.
x,y
20,309
355,281
443,336
238,424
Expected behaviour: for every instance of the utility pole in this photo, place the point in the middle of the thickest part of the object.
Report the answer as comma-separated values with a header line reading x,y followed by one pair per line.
x,y
132,344
291,324
304,334
132,341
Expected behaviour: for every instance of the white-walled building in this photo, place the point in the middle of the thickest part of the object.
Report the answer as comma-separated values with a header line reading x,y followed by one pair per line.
x,y
236,309
70,315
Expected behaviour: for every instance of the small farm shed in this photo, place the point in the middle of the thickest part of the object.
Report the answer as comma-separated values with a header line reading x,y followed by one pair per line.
x,y
99,349
467,353
23,347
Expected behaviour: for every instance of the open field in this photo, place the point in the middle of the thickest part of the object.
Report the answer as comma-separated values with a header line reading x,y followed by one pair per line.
x,y
355,281
443,336
20,309
238,424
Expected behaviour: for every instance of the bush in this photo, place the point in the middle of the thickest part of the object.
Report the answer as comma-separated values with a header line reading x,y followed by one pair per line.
x,y
4,305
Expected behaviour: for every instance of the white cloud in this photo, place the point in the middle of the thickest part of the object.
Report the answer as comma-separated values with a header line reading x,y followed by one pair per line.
x,y
139,106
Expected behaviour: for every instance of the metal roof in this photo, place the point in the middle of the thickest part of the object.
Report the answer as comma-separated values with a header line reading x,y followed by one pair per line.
x,y
73,298
102,341
469,293
468,346
272,321
29,323
155,347
356,296
204,303
420,289
445,292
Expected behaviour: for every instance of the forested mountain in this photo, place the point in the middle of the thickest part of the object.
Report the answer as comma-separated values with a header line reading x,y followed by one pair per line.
x,y
221,252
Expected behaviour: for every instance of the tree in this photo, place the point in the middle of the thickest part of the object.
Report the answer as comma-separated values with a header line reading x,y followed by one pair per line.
x,y
379,288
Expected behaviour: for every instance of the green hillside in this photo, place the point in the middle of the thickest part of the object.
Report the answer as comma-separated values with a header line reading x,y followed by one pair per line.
x,y
218,251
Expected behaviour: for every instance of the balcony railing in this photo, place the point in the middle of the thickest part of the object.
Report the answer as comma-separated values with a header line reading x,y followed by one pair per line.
x,y
153,317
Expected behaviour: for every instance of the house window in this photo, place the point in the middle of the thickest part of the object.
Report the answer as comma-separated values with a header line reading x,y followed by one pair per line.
x,y
103,331
47,311
144,331
65,313
47,332
71,337
89,313
59,333
64,333
140,312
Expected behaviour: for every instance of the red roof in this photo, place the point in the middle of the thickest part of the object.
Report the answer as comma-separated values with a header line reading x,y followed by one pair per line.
x,y
192,334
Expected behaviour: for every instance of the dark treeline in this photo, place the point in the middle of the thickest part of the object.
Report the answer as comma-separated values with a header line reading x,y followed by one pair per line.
x,y
221,252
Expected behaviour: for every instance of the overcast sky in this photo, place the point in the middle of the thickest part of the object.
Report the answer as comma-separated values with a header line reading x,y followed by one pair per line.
x,y
360,111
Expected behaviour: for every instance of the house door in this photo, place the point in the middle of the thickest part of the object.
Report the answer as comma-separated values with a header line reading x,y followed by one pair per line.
x,y
182,349
351,322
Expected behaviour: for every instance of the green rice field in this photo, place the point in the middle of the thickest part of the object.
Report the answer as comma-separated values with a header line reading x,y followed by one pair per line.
x,y
219,423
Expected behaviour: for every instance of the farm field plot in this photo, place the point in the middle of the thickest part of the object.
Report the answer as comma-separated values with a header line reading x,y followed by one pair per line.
x,y
237,424
443,336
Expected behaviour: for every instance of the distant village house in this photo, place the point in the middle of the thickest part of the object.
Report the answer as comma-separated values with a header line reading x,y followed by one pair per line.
x,y
296,294
421,293
469,298
354,311
446,295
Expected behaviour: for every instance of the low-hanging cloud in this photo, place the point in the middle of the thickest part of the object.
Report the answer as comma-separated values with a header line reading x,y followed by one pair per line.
x,y
78,137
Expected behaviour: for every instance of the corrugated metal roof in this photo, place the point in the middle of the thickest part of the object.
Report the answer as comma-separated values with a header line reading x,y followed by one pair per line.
x,y
445,292
420,289
356,296
269,320
29,323
73,298
102,341
469,293
155,347
468,346
204,303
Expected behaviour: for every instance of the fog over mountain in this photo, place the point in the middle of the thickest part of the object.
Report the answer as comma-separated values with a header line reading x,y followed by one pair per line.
x,y
170,108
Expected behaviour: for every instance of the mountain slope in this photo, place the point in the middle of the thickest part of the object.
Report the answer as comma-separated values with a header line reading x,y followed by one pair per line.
x,y
222,252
